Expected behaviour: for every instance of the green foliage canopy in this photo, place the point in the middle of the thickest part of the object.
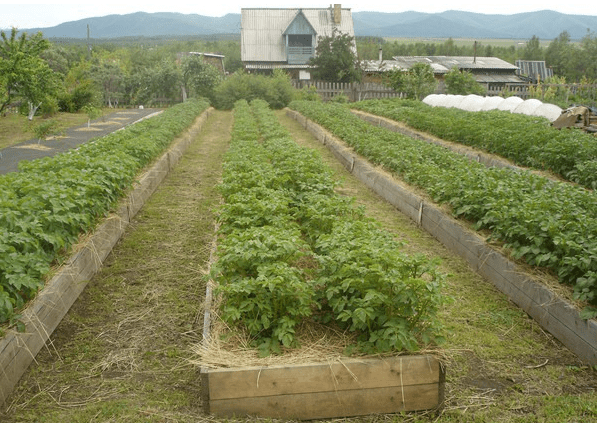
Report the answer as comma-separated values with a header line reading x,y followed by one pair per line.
x,y
200,77
276,90
417,82
23,73
336,59
462,82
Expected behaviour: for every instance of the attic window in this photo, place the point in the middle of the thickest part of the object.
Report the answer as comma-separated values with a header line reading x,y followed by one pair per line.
x,y
300,40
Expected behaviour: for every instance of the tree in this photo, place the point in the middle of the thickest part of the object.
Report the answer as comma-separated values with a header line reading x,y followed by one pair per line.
x,y
20,61
533,50
559,54
109,77
335,59
462,82
588,57
200,77
417,82
79,89
38,84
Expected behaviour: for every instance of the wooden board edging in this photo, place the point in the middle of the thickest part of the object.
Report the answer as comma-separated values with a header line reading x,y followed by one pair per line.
x,y
552,313
44,313
351,387
334,389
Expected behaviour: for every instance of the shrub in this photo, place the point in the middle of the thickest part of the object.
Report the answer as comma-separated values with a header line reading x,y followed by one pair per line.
x,y
276,90
462,82
308,93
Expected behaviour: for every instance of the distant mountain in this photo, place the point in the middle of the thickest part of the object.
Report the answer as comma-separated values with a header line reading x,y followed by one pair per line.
x,y
545,24
142,24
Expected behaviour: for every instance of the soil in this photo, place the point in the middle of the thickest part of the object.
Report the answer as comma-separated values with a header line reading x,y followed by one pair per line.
x,y
123,352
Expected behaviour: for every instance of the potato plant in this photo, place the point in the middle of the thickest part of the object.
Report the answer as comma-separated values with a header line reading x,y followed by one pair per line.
x,y
50,202
526,140
291,250
549,224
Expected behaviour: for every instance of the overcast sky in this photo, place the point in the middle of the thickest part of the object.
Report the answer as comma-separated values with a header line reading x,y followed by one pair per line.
x,y
46,14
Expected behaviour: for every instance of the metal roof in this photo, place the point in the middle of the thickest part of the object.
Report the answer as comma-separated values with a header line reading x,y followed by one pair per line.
x,y
196,53
499,78
442,64
262,30
536,70
276,65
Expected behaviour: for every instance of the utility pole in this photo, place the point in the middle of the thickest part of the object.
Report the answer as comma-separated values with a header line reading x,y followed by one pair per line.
x,y
88,44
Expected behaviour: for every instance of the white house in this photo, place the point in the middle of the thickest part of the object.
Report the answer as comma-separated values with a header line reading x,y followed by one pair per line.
x,y
287,38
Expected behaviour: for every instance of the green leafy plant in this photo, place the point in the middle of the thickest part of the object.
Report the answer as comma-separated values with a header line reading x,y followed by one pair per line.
x,y
44,129
92,113
50,202
527,140
545,223
291,249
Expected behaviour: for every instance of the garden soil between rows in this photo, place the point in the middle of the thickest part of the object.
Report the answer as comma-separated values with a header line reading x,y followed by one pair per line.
x,y
122,353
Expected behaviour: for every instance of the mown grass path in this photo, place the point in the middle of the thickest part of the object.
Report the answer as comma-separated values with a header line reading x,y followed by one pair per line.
x,y
121,353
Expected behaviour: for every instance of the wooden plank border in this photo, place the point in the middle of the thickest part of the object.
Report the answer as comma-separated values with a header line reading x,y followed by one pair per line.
x,y
347,388
553,313
42,316
338,389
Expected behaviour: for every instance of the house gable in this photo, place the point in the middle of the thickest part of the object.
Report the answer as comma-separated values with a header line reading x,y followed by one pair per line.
x,y
268,34
300,26
300,38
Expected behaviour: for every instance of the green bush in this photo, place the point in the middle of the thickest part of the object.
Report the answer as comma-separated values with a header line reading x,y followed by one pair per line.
x,y
49,107
79,97
276,90
308,93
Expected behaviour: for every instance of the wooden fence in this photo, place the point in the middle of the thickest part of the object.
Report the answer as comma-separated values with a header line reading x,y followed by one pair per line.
x,y
354,91
544,92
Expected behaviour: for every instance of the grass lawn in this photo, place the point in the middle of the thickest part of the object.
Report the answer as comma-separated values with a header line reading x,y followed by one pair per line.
x,y
15,128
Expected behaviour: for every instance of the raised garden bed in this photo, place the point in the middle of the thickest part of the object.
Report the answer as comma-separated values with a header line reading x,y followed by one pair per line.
x,y
42,316
256,297
553,313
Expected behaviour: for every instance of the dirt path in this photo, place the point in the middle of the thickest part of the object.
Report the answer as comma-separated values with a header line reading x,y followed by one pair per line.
x,y
120,354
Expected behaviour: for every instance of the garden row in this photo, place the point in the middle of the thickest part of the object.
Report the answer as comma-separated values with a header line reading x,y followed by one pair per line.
x,y
548,224
526,140
291,249
50,202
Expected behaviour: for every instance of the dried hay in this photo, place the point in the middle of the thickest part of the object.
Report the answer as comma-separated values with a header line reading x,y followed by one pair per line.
x,y
38,147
